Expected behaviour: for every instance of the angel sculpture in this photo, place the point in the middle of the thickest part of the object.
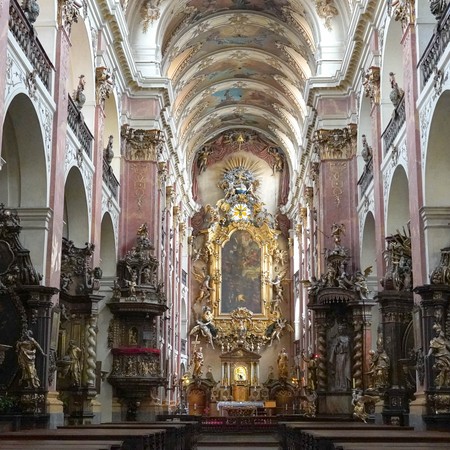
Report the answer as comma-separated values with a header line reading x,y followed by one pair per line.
x,y
205,326
360,283
275,330
337,230
277,296
359,401
205,288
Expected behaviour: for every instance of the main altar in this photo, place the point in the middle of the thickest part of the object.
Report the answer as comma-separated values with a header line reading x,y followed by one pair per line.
x,y
239,409
239,304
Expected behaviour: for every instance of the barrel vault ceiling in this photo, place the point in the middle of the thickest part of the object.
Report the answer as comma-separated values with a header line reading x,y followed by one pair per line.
x,y
239,65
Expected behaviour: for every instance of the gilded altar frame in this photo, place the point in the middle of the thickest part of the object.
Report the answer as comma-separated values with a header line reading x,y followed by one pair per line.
x,y
218,236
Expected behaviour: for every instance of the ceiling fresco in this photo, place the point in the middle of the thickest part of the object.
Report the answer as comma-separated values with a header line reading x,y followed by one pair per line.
x,y
238,63
243,64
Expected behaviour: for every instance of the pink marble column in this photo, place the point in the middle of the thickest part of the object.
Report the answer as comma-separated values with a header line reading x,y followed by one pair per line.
x,y
410,81
139,200
338,190
97,158
58,157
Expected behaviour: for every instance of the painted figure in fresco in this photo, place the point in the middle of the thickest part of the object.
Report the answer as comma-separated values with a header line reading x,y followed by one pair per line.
x,y
26,356
339,359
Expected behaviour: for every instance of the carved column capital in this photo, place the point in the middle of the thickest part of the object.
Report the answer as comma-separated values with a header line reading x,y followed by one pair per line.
x,y
141,145
339,143
371,84
404,11
104,83
68,13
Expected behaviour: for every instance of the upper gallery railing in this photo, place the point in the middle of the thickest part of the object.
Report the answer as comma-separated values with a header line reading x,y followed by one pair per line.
x,y
78,126
26,37
366,177
110,179
436,47
394,125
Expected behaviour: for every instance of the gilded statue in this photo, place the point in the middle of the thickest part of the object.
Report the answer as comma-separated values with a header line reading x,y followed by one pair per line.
x,y
26,355
74,354
283,364
197,363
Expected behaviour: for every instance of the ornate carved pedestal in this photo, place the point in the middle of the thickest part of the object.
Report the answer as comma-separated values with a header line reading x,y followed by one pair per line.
x,y
435,307
77,358
26,326
396,322
342,317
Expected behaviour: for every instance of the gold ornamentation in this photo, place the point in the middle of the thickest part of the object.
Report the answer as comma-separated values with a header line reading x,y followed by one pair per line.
x,y
149,13
337,182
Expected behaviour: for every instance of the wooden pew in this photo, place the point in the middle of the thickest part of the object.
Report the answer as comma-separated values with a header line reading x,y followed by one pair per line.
x,y
43,444
398,445
291,431
176,437
326,439
151,439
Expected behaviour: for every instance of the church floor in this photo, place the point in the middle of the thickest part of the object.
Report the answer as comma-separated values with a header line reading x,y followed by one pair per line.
x,y
215,441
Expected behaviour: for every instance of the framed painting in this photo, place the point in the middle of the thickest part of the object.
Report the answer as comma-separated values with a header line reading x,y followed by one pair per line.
x,y
241,266
241,274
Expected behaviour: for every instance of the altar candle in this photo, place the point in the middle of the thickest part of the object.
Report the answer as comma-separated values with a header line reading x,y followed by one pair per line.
x,y
354,383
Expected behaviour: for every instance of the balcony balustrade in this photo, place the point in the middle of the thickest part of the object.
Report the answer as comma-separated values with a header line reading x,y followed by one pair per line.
x,y
394,125
76,123
435,49
26,37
